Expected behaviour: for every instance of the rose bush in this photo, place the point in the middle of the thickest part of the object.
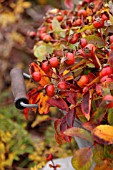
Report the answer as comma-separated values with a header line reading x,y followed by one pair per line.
x,y
74,72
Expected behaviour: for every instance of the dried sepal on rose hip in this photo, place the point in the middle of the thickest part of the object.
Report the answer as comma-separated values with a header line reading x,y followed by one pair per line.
x,y
88,50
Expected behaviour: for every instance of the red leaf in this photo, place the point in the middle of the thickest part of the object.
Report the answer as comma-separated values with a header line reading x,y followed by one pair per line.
x,y
60,103
71,97
91,77
26,110
110,59
63,127
69,4
86,104
63,124
70,116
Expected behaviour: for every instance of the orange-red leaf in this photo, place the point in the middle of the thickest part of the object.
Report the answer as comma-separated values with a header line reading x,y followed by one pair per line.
x,y
103,134
40,99
58,136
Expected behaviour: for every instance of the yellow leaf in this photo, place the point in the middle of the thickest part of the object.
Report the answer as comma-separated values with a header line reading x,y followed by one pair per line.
x,y
103,134
39,119
7,18
26,4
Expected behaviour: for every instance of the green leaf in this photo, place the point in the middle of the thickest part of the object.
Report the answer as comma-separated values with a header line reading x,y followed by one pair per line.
x,y
42,50
81,133
98,153
90,65
105,91
82,159
94,39
110,116
108,151
57,28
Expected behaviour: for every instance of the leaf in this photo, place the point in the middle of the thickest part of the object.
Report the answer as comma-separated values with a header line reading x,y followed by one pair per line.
x,y
26,110
80,115
98,153
44,79
110,58
81,133
103,134
59,102
69,4
90,65
97,5
86,104
57,28
39,119
86,27
26,4
59,138
96,40
108,151
96,62
82,159
63,127
70,117
110,116
40,99
111,18
96,118
105,165
71,97
43,106
42,50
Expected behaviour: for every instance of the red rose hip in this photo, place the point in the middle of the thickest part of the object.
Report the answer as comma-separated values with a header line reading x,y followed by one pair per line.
x,y
62,85
45,66
36,76
83,81
106,71
54,62
70,58
50,89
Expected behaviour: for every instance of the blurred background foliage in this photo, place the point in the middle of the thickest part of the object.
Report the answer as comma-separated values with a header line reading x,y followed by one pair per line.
x,y
23,144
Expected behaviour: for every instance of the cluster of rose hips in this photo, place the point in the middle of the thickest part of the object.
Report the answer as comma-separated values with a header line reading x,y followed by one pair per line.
x,y
51,63
67,56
